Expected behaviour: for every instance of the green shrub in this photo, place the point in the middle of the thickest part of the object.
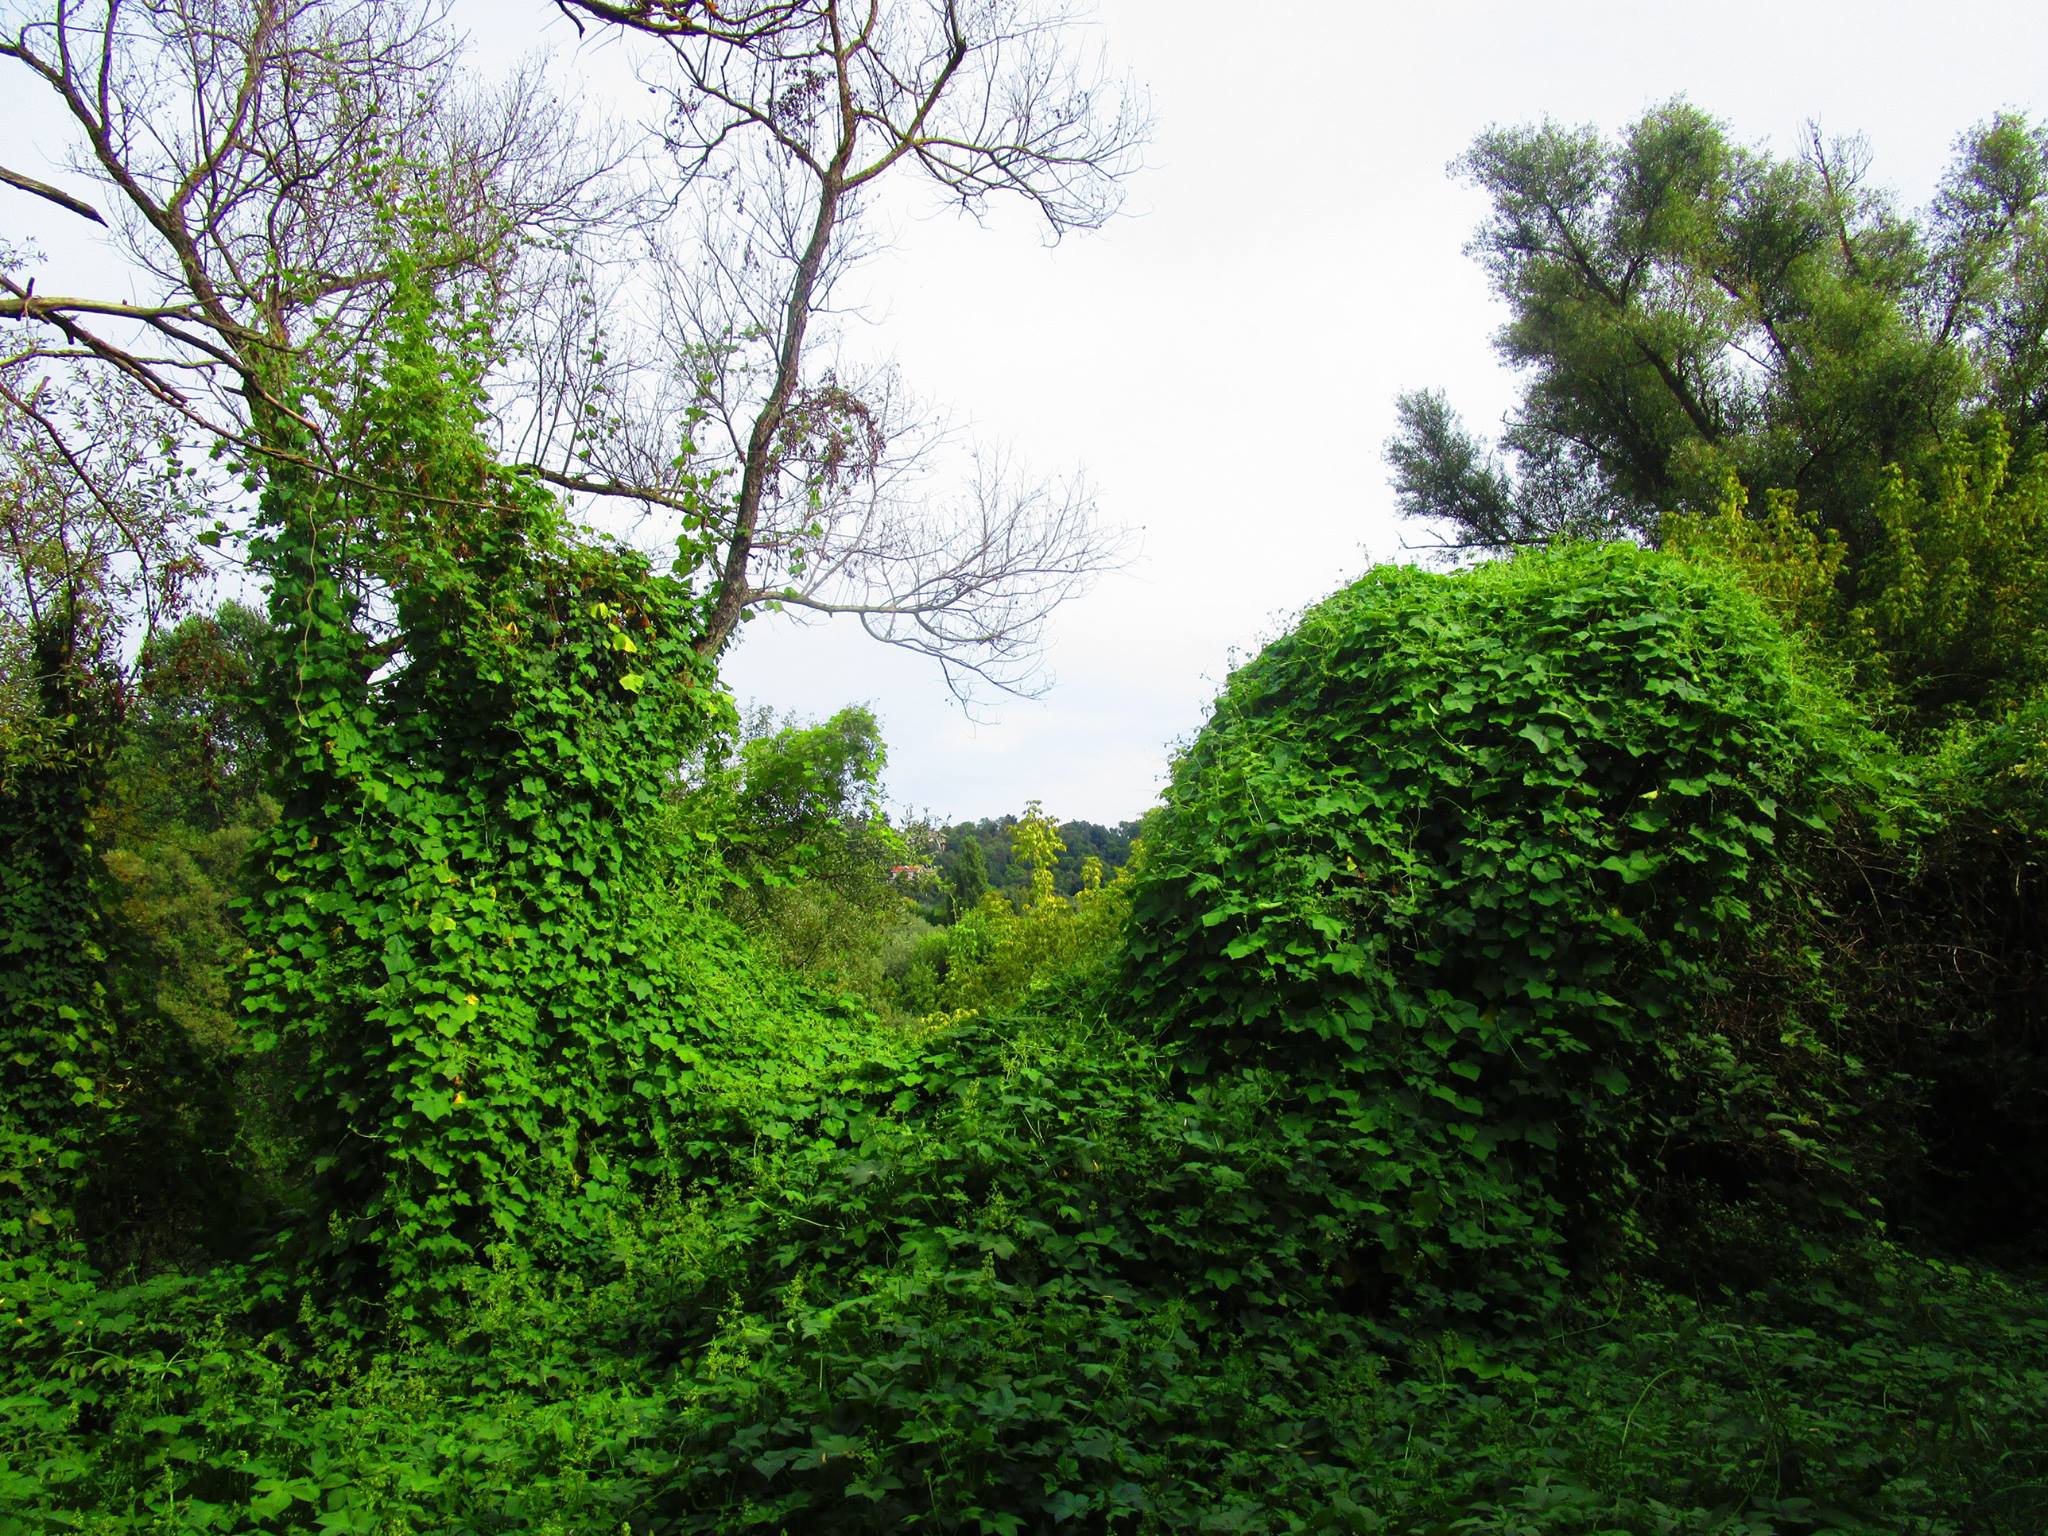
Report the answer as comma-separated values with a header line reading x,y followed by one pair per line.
x,y
1517,874
1943,614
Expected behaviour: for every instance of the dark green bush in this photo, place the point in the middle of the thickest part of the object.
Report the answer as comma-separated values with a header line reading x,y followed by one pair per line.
x,y
1946,952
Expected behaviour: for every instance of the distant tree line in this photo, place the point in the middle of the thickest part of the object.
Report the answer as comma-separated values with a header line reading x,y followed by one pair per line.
x,y
991,866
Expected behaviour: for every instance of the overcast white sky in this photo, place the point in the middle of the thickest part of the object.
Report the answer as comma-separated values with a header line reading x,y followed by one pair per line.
x,y
1222,362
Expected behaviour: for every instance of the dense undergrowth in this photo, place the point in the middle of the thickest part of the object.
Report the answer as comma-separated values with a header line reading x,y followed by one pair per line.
x,y
958,1291
1515,1102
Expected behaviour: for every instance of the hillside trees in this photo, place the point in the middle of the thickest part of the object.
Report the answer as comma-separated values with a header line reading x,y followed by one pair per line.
x,y
1012,938
1000,870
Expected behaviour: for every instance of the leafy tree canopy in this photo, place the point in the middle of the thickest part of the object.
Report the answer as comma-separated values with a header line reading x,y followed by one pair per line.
x,y
1684,309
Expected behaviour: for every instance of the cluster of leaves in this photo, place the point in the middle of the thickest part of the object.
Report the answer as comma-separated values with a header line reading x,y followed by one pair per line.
x,y
1519,873
1944,616
787,824
457,929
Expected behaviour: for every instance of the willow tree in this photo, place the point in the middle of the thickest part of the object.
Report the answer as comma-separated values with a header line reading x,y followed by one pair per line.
x,y
1684,310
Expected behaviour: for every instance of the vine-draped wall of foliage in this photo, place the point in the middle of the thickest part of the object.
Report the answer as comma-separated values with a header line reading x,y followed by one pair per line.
x,y
1482,858
1552,1064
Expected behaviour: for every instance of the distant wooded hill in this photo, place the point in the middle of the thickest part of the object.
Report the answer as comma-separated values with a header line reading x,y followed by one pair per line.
x,y
1083,839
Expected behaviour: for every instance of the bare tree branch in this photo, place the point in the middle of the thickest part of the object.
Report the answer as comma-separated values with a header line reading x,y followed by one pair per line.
x,y
782,118
56,195
258,154
98,525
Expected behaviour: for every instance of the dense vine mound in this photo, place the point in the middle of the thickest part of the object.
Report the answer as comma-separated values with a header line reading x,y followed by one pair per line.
x,y
1512,873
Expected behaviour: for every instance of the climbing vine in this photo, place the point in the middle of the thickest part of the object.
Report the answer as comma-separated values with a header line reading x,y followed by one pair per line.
x,y
459,933
57,1045
1517,872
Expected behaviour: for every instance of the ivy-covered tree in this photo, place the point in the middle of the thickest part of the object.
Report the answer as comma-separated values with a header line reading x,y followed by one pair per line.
x,y
461,931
